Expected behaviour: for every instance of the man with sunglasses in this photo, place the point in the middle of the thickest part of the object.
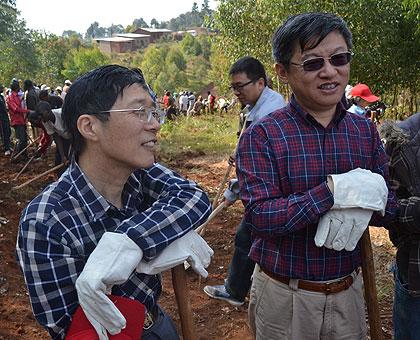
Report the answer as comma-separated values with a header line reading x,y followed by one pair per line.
x,y
114,220
311,178
249,84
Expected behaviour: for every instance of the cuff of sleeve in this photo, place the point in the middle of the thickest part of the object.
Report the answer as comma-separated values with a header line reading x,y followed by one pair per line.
x,y
322,198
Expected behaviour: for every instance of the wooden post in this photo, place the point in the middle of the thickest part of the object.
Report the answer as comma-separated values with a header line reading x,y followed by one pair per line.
x,y
179,282
369,283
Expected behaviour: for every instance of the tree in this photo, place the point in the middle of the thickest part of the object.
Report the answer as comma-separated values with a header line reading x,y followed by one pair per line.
x,y
51,52
137,23
83,60
114,29
17,54
176,57
154,23
70,33
95,31
8,14
384,38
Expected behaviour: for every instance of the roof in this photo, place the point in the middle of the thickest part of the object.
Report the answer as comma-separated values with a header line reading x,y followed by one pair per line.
x,y
133,35
115,39
155,30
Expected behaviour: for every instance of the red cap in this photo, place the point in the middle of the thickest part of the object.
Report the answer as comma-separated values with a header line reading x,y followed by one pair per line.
x,y
363,91
133,311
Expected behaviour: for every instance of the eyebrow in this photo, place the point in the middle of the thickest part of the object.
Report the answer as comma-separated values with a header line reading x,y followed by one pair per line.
x,y
337,49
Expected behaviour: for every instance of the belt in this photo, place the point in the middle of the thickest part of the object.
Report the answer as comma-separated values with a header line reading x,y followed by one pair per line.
x,y
326,288
150,318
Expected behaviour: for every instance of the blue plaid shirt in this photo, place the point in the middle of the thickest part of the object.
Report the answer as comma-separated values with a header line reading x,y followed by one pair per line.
x,y
61,227
282,165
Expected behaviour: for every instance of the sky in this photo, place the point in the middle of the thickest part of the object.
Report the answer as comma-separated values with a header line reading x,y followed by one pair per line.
x,y
77,15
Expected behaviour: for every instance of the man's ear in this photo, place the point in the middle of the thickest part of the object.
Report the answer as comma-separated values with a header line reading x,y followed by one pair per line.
x,y
88,127
282,73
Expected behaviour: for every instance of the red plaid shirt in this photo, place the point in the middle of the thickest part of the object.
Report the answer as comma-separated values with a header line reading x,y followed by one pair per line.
x,y
282,165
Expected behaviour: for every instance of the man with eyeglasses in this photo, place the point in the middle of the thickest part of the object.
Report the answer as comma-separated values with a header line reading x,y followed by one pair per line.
x,y
249,84
92,245
312,178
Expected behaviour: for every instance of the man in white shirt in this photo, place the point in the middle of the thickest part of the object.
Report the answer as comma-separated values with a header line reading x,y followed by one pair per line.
x,y
53,123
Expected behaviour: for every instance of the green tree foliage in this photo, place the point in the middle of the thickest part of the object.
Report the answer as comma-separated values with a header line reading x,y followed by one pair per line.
x,y
172,67
176,57
8,14
95,31
51,52
386,44
71,33
194,18
83,60
17,54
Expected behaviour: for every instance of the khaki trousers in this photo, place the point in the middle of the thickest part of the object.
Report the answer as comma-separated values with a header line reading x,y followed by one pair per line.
x,y
280,311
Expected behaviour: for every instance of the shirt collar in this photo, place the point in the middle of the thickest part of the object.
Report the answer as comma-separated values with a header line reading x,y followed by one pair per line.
x,y
340,112
94,202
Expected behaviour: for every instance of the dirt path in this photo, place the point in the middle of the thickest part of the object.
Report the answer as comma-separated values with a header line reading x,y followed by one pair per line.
x,y
213,319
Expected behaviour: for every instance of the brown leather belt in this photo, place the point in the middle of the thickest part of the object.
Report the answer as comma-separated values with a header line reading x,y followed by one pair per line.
x,y
326,288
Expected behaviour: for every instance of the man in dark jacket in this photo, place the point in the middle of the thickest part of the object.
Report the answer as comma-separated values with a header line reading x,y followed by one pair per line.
x,y
4,123
402,144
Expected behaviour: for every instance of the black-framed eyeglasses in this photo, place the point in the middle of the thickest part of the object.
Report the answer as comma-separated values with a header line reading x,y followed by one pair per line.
x,y
238,88
145,114
315,64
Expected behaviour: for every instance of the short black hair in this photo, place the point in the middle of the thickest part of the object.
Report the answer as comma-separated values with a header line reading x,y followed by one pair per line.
x,y
27,84
42,106
307,30
251,66
43,94
96,91
14,86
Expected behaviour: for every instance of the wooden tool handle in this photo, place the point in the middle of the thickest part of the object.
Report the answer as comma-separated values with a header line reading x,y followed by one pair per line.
x,y
179,281
369,283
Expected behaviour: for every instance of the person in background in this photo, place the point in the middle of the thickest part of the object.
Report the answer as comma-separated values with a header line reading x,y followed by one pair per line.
x,y
249,84
114,220
54,126
17,115
362,97
66,87
56,102
4,124
31,99
402,144
312,177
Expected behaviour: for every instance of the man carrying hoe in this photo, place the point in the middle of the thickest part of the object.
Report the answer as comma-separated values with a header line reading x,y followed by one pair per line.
x,y
249,84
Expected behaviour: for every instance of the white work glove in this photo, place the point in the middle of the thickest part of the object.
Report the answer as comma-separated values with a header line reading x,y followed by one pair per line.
x,y
342,229
360,188
111,263
231,194
191,248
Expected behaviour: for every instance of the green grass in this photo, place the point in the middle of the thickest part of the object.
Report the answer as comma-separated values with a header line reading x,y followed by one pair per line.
x,y
205,134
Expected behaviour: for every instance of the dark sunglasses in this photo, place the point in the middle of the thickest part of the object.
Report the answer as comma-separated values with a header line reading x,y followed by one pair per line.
x,y
315,64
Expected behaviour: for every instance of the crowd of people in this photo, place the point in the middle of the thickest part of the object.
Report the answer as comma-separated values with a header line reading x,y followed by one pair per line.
x,y
189,104
312,174
39,108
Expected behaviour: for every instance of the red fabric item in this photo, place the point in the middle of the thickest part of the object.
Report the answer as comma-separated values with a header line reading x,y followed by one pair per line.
x,y
16,112
45,140
133,311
